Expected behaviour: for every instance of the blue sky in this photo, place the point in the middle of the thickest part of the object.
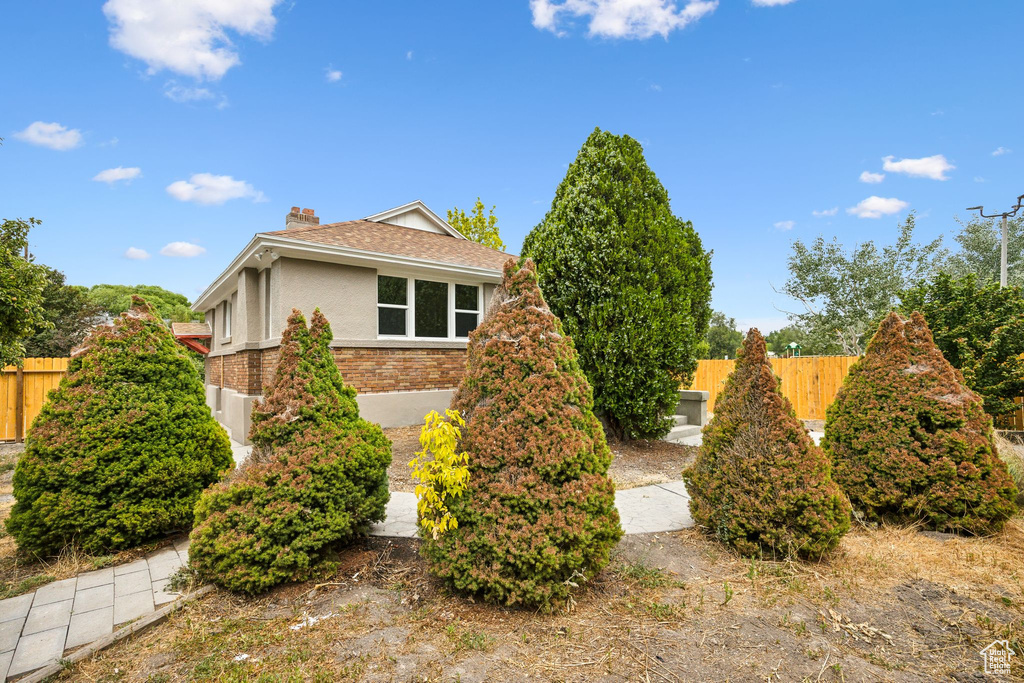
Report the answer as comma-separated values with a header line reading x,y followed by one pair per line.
x,y
754,117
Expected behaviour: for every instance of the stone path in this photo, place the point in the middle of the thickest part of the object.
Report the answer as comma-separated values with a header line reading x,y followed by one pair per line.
x,y
36,628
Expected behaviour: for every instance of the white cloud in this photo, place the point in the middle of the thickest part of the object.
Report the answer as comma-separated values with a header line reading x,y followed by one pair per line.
x,y
876,207
332,75
52,135
980,179
1000,151
408,55
187,36
182,250
185,93
785,225
113,175
933,167
206,188
621,18
656,87
136,254
871,178
770,3
825,212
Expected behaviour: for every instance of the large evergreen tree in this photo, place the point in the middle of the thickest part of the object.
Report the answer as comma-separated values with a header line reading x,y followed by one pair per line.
x,y
909,441
123,447
318,474
630,281
759,483
538,516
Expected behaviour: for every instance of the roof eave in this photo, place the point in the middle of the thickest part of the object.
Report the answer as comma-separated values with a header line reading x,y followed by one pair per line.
x,y
350,255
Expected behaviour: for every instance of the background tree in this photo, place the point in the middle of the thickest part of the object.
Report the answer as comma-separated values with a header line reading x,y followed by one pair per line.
x,y
477,226
538,515
722,337
122,449
845,293
909,441
630,281
979,255
759,483
780,339
980,330
68,314
114,299
22,282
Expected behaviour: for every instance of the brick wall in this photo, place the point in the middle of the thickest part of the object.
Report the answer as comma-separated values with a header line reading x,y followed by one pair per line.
x,y
368,370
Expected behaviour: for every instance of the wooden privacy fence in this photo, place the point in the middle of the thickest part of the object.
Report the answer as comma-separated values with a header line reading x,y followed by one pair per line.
x,y
810,383
23,392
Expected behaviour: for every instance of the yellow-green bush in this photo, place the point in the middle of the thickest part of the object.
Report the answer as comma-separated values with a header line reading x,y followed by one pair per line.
x,y
443,473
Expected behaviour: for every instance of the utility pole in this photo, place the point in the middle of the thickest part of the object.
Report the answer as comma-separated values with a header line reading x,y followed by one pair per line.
x,y
1005,216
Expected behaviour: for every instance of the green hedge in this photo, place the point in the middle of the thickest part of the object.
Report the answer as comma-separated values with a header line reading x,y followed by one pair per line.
x,y
123,447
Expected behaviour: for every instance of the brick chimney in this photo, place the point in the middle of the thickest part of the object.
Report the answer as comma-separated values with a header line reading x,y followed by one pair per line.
x,y
300,219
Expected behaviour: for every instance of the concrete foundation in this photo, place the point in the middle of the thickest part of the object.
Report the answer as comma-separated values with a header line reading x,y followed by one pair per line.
x,y
694,406
392,409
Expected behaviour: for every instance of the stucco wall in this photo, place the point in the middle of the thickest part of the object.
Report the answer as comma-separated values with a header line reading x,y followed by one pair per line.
x,y
347,295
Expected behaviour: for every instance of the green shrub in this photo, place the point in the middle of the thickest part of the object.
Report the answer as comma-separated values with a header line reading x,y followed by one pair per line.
x,y
123,447
909,441
980,330
538,517
630,281
318,475
759,483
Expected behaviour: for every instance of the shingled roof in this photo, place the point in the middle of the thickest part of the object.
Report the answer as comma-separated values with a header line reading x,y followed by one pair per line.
x,y
384,238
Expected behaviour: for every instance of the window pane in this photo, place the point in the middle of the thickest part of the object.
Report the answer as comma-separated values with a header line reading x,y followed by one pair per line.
x,y
391,321
465,297
431,309
464,324
391,290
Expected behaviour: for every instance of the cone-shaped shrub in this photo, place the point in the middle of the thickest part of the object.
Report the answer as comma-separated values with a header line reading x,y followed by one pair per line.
x,y
759,483
909,441
318,477
123,447
538,517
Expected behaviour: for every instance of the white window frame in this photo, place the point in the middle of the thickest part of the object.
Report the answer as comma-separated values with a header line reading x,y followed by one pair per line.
x,y
226,323
410,306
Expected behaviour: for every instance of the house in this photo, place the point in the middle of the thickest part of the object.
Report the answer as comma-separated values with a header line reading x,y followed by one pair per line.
x,y
402,290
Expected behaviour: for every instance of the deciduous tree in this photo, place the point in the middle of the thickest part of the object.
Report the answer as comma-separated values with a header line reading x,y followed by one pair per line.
x,y
22,282
477,226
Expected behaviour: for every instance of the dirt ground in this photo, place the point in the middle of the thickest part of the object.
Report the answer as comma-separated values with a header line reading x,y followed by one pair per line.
x,y
636,463
892,604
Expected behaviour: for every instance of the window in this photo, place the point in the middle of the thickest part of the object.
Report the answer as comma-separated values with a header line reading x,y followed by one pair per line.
x,y
226,334
426,309
431,309
392,305
467,309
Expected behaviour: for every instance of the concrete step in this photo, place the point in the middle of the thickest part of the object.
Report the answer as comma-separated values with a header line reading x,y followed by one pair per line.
x,y
679,420
682,432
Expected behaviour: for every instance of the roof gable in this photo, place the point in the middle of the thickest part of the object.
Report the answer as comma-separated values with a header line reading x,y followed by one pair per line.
x,y
415,215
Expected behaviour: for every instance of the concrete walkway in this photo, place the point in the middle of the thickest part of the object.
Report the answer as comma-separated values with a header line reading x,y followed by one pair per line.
x,y
36,628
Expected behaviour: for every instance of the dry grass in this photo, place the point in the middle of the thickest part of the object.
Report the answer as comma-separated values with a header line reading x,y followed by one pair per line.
x,y
891,604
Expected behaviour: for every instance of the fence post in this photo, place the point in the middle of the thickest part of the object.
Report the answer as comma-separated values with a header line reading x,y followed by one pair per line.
x,y
19,405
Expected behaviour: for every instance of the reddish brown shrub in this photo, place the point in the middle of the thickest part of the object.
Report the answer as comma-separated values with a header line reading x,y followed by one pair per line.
x,y
319,475
538,517
910,441
759,483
